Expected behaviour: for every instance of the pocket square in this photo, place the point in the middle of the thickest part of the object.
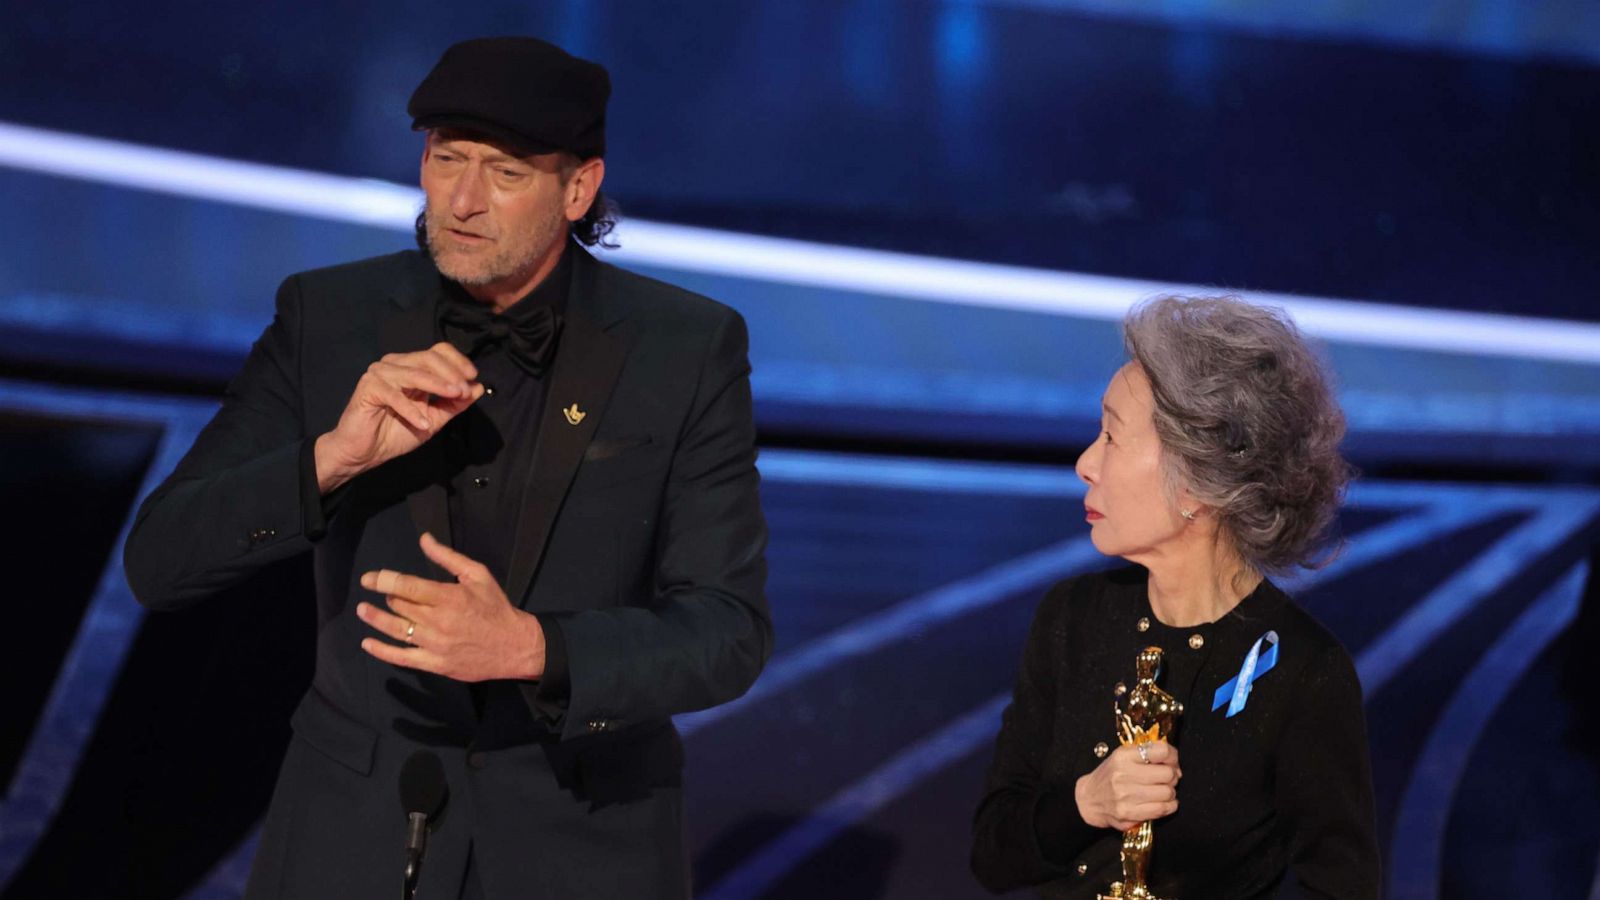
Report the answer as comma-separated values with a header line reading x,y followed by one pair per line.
x,y
605,448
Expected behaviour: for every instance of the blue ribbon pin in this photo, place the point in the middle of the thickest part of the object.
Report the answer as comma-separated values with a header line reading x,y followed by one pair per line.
x,y
1256,664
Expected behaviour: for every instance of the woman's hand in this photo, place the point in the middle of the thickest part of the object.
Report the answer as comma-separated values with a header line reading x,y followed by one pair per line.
x,y
1124,790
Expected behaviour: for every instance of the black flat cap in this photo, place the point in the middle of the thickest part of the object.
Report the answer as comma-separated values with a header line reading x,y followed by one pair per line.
x,y
527,92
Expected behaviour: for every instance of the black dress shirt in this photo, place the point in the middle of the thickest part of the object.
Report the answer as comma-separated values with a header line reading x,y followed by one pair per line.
x,y
1282,785
492,444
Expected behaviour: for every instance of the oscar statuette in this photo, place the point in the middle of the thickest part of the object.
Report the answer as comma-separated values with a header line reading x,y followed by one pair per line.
x,y
1151,715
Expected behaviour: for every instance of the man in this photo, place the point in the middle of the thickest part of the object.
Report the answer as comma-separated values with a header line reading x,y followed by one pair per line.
x,y
527,480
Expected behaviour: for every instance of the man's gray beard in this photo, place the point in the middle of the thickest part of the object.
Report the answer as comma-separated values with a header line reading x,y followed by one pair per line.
x,y
477,276
490,271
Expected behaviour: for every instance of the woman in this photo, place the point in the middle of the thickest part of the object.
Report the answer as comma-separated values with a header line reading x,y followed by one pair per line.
x,y
1217,463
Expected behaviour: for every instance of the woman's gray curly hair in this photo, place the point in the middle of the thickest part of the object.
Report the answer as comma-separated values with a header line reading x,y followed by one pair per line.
x,y
1247,420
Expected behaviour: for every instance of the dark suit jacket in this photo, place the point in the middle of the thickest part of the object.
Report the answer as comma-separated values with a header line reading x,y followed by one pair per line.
x,y
641,533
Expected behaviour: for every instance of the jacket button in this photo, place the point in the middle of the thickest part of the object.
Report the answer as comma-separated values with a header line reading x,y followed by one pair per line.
x,y
597,725
1196,642
1101,749
1143,624
477,759
1083,868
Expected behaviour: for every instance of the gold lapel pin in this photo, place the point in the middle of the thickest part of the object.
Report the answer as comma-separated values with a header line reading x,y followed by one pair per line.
x,y
574,414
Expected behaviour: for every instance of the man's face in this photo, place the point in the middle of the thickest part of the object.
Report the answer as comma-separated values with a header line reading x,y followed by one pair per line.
x,y
493,218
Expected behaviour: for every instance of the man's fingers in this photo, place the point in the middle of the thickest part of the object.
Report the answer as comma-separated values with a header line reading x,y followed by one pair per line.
x,y
442,368
390,624
450,407
447,397
409,657
457,360
409,587
426,374
453,406
412,412
411,611
463,567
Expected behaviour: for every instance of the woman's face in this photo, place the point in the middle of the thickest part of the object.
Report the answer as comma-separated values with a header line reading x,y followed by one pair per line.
x,y
1129,512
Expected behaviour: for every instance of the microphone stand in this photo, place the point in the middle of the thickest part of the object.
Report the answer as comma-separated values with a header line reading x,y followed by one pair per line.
x,y
416,842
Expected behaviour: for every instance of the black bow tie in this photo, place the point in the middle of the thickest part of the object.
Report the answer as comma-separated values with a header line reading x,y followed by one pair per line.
x,y
529,338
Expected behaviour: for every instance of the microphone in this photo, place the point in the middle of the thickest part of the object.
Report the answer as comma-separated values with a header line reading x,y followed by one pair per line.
x,y
423,791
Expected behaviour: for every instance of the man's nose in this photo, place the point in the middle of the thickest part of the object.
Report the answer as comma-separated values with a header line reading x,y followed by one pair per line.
x,y
468,196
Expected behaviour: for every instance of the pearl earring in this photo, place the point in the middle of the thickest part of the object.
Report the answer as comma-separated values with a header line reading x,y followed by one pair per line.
x,y
1188,514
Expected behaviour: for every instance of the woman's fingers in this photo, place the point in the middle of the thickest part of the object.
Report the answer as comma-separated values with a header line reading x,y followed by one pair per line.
x,y
1146,813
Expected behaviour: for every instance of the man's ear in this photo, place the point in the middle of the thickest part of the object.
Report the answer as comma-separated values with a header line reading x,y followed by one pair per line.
x,y
584,186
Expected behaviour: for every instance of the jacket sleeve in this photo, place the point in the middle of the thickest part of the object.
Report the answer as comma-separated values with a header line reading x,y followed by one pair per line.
x,y
1027,829
707,631
237,500
1324,786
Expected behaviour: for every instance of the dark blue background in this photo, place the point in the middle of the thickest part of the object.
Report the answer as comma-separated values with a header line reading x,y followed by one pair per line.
x,y
1442,158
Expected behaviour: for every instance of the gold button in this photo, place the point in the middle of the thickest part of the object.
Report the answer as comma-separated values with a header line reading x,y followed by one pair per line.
x,y
1120,689
1083,868
1101,749
1196,642
1144,624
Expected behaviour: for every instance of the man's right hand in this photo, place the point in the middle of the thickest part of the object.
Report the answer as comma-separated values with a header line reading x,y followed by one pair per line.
x,y
403,400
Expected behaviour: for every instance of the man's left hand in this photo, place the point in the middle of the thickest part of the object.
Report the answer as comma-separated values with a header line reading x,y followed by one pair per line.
x,y
466,630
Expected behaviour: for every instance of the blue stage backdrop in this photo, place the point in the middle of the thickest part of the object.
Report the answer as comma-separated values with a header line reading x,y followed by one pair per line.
x,y
932,215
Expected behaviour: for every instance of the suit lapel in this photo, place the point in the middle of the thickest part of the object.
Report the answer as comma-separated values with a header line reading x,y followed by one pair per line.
x,y
587,365
410,330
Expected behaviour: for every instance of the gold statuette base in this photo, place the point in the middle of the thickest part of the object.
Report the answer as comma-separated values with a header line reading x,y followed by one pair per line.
x,y
1118,893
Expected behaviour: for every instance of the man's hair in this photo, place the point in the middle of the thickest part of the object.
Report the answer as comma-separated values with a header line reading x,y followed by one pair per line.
x,y
596,225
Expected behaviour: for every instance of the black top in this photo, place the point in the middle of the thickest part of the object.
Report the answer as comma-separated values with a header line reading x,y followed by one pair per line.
x,y
491,442
491,445
1283,784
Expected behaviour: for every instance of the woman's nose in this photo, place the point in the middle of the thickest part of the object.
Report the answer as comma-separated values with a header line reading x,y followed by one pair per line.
x,y
1087,466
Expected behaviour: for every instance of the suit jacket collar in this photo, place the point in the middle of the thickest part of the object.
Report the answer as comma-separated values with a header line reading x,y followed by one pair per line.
x,y
588,363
